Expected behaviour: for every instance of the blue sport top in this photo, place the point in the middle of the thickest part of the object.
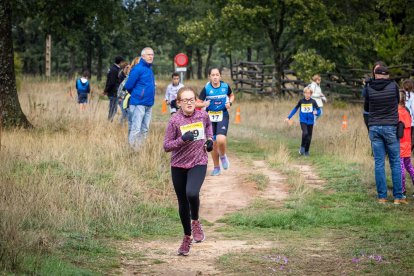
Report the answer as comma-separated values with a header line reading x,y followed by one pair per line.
x,y
306,108
82,87
217,96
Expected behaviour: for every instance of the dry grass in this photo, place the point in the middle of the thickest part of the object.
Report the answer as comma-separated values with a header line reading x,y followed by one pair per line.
x,y
264,119
75,172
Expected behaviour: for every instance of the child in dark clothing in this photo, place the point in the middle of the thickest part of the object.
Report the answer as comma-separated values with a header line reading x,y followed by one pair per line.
x,y
308,108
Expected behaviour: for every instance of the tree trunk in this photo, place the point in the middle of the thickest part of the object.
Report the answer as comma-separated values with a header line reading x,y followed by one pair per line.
x,y
231,66
199,59
99,57
189,73
258,52
208,60
89,53
72,62
249,53
279,72
11,114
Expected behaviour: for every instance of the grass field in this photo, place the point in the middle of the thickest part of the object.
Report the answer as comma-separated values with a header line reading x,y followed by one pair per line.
x,y
71,187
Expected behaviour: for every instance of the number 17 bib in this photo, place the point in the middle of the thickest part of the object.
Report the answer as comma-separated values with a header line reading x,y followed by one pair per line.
x,y
196,128
215,116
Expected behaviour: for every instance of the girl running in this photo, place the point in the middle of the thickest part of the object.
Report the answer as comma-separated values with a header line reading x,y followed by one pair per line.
x,y
308,109
189,138
405,141
217,98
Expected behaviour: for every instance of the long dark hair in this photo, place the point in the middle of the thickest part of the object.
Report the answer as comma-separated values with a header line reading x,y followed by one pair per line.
x,y
408,87
403,98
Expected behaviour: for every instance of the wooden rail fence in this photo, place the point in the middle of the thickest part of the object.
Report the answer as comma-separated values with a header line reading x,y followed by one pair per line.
x,y
345,83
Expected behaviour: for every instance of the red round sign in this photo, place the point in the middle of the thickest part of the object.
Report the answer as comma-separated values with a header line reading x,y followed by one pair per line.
x,y
181,60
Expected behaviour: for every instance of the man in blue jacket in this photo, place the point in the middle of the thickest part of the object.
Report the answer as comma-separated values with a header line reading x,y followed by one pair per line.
x,y
141,86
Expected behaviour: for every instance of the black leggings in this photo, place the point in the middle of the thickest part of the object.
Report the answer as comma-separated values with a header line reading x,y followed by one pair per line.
x,y
306,136
187,184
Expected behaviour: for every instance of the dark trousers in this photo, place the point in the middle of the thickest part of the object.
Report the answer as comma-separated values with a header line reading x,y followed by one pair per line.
x,y
306,136
112,107
187,184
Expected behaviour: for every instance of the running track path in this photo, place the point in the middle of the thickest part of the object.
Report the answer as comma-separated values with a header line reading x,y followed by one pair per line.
x,y
219,196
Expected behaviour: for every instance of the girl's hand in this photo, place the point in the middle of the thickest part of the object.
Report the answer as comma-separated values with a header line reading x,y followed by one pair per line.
x,y
228,106
209,145
315,112
287,120
207,103
324,99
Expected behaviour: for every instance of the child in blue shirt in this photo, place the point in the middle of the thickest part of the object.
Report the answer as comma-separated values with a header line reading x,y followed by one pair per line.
x,y
308,108
83,88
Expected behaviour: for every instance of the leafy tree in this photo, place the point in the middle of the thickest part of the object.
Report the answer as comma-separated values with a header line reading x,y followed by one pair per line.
x,y
308,63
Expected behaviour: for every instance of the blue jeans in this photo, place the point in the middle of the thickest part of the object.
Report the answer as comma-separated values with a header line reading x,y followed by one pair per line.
x,y
384,141
112,107
139,119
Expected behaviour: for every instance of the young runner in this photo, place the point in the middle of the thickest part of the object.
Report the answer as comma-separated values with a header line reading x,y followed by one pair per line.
x,y
308,108
83,88
189,136
171,92
217,97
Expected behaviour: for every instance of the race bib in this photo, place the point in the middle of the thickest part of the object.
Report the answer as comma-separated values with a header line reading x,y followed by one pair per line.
x,y
216,116
306,108
196,128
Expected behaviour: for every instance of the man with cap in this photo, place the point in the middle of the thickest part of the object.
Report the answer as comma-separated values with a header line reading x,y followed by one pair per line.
x,y
381,102
112,84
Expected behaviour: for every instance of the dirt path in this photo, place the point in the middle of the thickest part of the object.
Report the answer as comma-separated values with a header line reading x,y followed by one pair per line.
x,y
219,196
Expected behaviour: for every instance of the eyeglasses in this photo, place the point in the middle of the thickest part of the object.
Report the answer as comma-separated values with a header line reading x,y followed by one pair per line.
x,y
191,101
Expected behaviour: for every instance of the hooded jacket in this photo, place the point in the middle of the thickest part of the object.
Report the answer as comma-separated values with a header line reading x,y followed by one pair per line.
x,y
141,84
381,101
82,86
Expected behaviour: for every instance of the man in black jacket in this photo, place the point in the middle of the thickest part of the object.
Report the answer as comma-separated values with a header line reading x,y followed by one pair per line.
x,y
381,101
112,84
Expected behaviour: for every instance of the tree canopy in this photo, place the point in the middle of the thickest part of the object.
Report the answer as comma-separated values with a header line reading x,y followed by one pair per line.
x,y
88,34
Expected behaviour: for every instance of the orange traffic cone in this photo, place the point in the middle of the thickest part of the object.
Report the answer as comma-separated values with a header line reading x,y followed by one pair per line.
x,y
164,107
344,123
238,118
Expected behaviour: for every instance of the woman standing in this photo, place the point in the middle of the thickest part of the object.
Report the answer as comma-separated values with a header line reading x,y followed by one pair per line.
x,y
189,137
